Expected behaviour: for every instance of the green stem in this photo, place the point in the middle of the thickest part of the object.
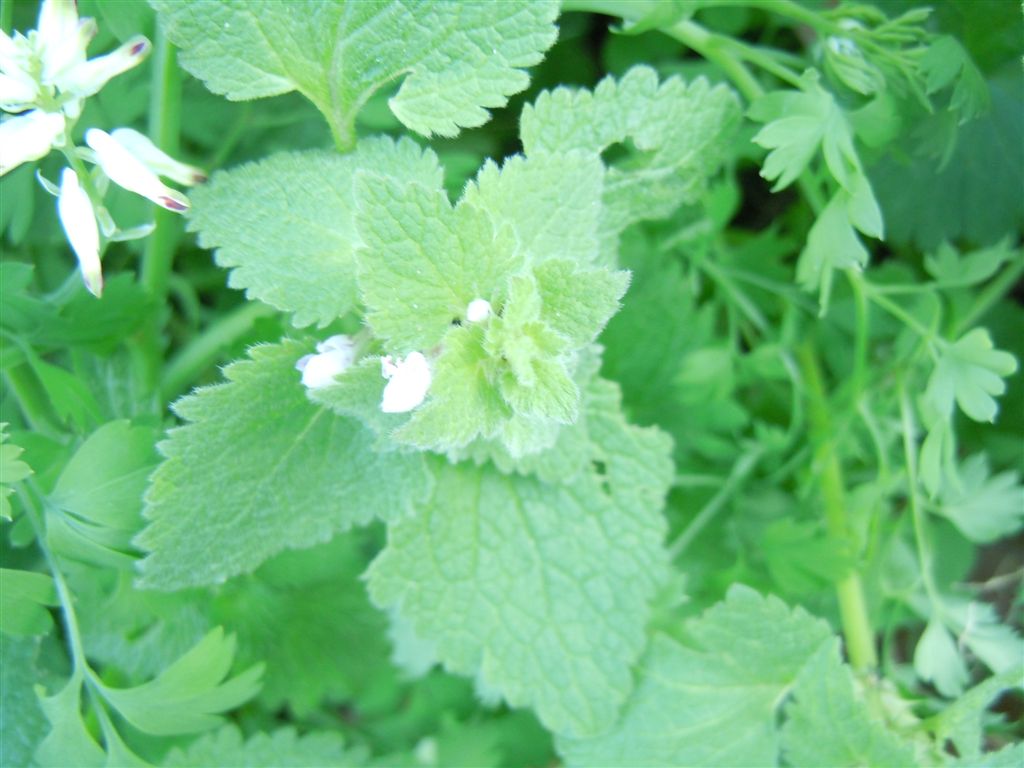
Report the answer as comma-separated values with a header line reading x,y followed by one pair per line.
x,y
990,296
204,350
917,512
860,642
31,399
901,314
164,126
858,377
740,471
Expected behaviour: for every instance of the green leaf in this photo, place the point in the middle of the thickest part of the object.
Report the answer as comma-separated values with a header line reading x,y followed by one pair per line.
x,y
189,695
829,724
282,748
541,591
95,508
680,132
23,722
945,60
741,657
284,225
24,596
961,722
983,507
457,59
68,741
259,469
832,244
950,268
937,659
421,262
1010,756
971,372
12,470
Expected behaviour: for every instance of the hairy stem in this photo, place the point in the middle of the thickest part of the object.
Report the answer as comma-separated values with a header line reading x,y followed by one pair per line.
x,y
857,631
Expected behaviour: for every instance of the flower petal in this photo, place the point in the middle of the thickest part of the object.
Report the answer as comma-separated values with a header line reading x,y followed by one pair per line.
x,y
90,76
478,310
125,169
156,159
407,385
335,355
79,222
28,137
58,38
16,93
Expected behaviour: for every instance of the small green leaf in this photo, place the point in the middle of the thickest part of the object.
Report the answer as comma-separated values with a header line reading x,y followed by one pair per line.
x,y
68,741
282,748
259,469
938,661
96,506
961,722
971,372
950,268
456,59
832,244
983,507
680,132
252,215
190,695
12,470
24,596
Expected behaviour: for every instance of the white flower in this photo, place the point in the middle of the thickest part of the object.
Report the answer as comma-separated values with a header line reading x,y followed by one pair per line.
x,y
156,159
334,355
408,382
128,171
28,137
478,310
79,222
46,73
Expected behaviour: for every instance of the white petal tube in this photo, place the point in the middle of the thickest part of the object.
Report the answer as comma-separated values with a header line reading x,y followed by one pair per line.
x,y
16,93
408,382
478,310
79,222
90,76
335,355
156,159
126,170
62,37
28,137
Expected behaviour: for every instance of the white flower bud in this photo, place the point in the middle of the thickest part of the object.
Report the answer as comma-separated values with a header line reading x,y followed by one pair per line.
x,y
478,310
334,355
28,137
156,159
408,382
79,221
128,171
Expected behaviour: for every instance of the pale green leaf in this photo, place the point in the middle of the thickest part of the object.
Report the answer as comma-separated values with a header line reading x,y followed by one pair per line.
x,y
832,244
11,471
421,261
260,469
68,741
950,268
24,596
541,591
714,701
457,59
191,694
680,132
283,748
578,304
937,660
23,722
1010,756
971,372
96,505
827,702
982,506
961,722
284,225
551,201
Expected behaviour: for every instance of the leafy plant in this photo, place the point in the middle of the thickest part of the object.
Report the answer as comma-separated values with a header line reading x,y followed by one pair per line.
x,y
608,387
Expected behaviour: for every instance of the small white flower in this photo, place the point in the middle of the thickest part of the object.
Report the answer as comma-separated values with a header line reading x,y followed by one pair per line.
x,y
156,159
478,310
79,222
28,137
334,355
128,171
408,382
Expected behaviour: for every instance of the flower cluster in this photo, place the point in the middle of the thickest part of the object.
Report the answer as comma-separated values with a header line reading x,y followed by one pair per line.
x,y
44,79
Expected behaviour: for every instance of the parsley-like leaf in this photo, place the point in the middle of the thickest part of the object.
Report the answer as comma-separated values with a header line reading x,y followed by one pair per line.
x,y
283,748
971,372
